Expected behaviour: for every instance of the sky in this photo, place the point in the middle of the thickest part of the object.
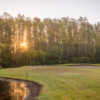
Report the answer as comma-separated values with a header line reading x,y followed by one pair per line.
x,y
53,8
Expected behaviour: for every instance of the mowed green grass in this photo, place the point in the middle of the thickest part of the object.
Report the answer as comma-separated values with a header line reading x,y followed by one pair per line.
x,y
61,82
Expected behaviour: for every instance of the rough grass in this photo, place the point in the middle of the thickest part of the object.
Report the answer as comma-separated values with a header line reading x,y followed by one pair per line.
x,y
61,82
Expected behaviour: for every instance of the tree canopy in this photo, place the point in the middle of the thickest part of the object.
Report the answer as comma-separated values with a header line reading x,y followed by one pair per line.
x,y
27,41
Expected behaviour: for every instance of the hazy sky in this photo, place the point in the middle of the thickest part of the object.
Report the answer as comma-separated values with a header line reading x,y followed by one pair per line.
x,y
53,8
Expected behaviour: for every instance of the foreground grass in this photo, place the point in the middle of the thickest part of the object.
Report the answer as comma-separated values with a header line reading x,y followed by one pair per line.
x,y
61,82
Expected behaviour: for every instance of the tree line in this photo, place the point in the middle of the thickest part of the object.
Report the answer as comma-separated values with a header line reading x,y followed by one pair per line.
x,y
48,41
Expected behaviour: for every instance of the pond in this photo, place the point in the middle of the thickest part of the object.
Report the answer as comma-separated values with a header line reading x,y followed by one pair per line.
x,y
16,89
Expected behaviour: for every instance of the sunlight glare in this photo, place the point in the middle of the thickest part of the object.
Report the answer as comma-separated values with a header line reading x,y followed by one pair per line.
x,y
24,45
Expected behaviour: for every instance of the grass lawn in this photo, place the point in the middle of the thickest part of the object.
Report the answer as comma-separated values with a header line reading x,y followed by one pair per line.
x,y
61,82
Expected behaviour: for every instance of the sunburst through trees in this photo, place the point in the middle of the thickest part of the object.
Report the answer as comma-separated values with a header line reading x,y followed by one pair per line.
x,y
48,41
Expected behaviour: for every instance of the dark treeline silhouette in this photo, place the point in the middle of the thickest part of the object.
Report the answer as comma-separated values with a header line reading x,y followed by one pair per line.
x,y
27,41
